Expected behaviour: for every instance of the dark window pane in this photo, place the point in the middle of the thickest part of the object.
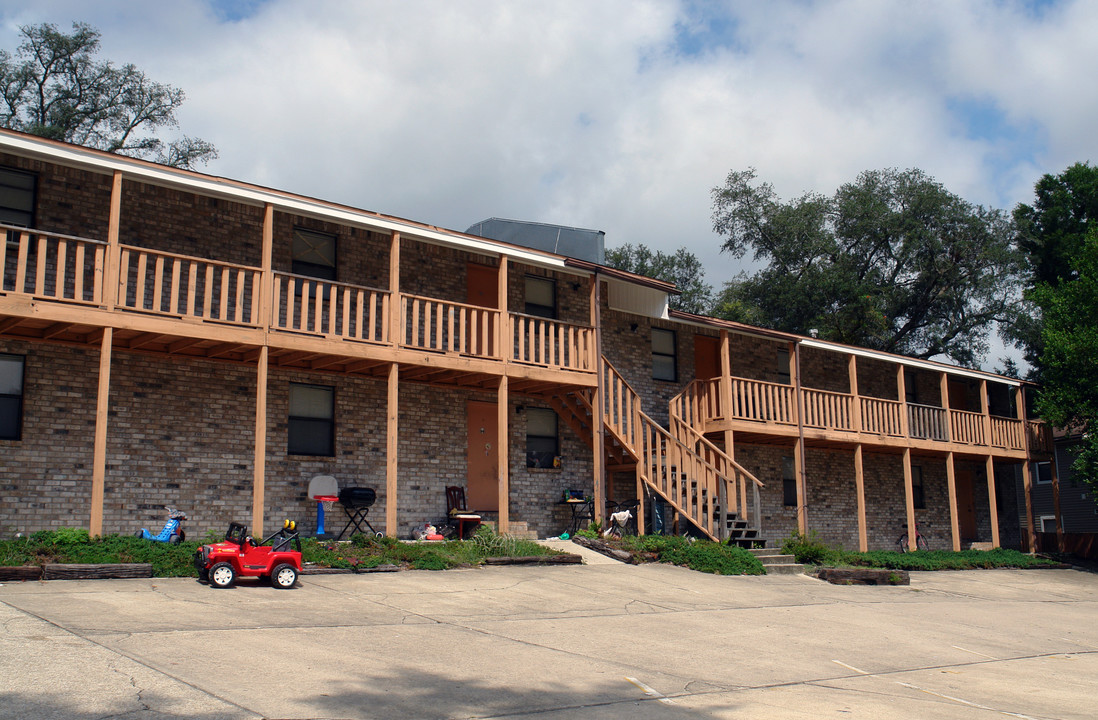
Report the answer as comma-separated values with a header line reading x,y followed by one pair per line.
x,y
310,437
10,410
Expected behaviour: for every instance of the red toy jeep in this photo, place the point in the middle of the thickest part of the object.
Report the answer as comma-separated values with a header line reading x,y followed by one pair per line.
x,y
239,556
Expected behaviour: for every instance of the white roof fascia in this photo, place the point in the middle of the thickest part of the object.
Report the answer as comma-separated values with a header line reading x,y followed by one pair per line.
x,y
209,186
909,362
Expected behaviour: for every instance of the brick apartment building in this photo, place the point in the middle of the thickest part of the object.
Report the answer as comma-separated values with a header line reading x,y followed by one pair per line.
x,y
173,338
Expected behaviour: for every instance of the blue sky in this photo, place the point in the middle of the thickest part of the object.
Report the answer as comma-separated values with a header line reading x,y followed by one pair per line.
x,y
618,115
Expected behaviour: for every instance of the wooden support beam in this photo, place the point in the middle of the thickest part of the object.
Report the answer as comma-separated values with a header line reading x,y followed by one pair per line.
x,y
856,401
798,449
909,499
598,437
143,340
223,349
943,384
396,313
259,462
11,323
859,485
110,279
184,344
991,499
1027,480
503,425
266,283
954,517
504,345
730,503
99,451
54,330
392,451
901,389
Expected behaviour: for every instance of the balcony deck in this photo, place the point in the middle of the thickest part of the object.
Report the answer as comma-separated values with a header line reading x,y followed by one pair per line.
x,y
766,412
68,289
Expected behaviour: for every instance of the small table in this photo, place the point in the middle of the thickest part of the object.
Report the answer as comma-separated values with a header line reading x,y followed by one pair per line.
x,y
581,510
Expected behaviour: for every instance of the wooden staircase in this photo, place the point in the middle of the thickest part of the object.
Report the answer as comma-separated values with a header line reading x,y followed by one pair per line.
x,y
701,483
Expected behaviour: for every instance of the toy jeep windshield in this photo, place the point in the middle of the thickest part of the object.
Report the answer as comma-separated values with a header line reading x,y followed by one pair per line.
x,y
278,557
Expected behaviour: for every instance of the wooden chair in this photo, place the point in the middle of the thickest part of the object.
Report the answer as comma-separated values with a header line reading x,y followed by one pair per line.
x,y
458,513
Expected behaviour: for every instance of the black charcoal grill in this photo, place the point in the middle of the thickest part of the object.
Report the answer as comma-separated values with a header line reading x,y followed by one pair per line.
x,y
356,502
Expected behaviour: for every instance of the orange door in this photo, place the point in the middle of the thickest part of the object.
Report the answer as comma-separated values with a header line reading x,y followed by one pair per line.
x,y
966,507
482,464
707,357
482,290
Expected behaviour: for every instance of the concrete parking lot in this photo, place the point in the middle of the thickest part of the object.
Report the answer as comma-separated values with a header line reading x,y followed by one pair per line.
x,y
596,641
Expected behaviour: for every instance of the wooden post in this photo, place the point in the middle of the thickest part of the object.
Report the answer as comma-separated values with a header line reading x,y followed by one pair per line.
x,y
1027,480
99,452
951,484
985,407
943,384
855,401
392,451
396,306
504,335
110,281
731,501
901,388
991,500
859,484
599,458
503,424
266,287
259,465
798,449
909,498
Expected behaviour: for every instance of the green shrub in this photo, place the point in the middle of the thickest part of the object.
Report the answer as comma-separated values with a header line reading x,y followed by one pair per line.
x,y
808,549
701,555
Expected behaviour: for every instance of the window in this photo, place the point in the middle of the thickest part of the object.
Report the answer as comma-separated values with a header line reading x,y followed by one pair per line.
x,y
911,388
16,198
663,355
314,254
312,420
783,366
1046,524
1043,472
541,297
542,443
789,482
11,396
918,497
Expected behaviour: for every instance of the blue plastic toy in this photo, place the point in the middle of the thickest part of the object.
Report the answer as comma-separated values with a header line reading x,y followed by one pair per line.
x,y
172,532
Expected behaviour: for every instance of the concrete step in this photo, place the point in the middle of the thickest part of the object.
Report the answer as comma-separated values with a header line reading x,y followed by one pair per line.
x,y
784,569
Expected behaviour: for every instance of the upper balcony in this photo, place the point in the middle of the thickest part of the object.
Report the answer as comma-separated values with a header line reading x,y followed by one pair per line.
x,y
59,286
760,409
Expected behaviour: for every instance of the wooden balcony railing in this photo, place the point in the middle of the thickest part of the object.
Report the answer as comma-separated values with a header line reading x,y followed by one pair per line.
x,y
828,410
1007,433
967,427
449,327
336,310
1038,436
48,266
169,284
927,422
699,403
882,417
763,401
552,343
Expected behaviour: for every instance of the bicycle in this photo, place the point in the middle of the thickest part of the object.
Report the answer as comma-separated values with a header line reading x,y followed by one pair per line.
x,y
920,541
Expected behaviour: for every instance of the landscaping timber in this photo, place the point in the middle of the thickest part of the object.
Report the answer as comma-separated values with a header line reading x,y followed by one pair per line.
x,y
864,576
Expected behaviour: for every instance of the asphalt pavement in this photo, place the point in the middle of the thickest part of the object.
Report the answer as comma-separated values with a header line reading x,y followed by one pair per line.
x,y
602,640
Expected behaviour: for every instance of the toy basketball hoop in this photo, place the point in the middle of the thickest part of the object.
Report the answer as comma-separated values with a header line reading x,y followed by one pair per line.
x,y
325,491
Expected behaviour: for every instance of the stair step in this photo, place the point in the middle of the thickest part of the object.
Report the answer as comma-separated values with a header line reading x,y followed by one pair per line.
x,y
784,569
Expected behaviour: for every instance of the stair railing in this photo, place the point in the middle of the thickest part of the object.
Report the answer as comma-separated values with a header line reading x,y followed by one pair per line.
x,y
691,474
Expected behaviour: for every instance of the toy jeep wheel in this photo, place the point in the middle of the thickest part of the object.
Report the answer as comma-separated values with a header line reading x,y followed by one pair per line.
x,y
222,575
284,576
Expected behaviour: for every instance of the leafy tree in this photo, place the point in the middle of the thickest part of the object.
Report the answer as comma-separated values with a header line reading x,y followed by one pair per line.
x,y
1051,233
1069,358
681,268
55,88
892,261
